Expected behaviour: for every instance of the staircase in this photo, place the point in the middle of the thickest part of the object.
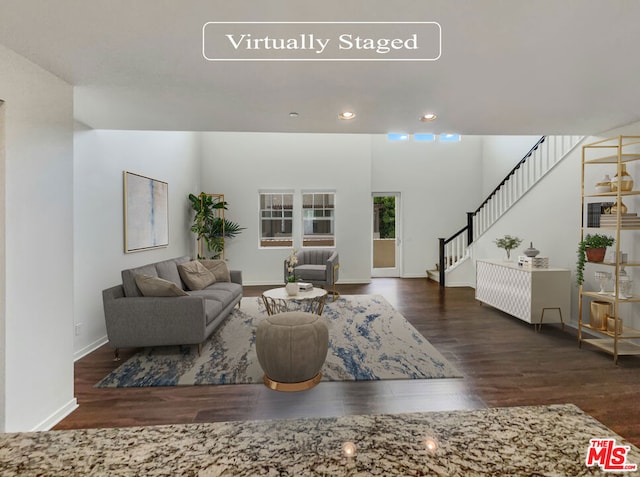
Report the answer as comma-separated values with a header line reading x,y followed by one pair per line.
x,y
539,161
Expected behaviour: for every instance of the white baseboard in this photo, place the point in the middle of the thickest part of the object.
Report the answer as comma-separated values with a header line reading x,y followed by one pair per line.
x,y
354,281
81,353
57,416
459,284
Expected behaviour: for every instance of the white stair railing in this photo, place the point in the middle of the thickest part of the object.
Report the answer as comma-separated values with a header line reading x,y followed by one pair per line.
x,y
542,158
539,161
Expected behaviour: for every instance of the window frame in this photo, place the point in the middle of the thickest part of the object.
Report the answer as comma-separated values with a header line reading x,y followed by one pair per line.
x,y
329,239
285,241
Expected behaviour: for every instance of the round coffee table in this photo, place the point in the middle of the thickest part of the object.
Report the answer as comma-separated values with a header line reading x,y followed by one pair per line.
x,y
277,300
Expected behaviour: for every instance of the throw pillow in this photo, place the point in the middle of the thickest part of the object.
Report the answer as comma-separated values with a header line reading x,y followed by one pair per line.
x,y
154,286
219,268
195,275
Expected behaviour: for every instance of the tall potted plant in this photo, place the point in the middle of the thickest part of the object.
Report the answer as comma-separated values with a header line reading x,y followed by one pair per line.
x,y
209,226
591,248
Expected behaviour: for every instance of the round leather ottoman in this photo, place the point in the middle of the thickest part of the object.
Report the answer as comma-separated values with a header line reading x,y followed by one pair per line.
x,y
291,348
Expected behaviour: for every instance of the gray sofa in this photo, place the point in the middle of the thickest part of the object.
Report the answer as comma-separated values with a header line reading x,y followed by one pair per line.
x,y
134,320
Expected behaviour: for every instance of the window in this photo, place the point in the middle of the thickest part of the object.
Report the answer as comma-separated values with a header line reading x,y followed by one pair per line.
x,y
423,137
450,137
317,219
276,219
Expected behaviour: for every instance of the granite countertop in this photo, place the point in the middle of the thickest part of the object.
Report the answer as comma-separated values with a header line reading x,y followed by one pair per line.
x,y
538,440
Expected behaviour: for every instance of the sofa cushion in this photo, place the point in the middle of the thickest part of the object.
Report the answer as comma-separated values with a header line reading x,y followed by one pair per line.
x,y
312,273
222,296
212,309
169,270
234,288
129,278
154,286
219,268
195,275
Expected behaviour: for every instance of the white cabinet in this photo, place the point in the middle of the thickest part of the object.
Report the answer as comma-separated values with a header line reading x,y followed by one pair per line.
x,y
538,295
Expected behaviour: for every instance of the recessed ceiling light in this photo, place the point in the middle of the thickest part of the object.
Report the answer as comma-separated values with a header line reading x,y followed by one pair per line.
x,y
347,115
425,118
293,114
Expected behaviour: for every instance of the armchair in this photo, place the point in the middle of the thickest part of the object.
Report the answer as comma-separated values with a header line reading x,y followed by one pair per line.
x,y
319,267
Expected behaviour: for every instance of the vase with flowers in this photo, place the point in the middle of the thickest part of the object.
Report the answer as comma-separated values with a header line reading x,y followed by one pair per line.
x,y
291,285
508,243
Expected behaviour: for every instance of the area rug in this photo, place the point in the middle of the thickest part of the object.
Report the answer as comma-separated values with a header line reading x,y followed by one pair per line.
x,y
519,441
368,340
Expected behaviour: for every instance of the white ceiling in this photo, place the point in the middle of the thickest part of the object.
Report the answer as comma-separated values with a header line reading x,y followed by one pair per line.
x,y
507,66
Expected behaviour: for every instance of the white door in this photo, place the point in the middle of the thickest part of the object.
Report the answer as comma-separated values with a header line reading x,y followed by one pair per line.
x,y
386,235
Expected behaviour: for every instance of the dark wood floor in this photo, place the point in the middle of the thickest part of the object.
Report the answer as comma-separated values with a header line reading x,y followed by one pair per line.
x,y
503,360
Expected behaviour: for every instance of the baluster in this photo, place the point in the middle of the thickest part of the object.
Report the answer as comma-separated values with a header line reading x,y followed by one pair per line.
x,y
496,214
446,256
454,251
546,155
512,188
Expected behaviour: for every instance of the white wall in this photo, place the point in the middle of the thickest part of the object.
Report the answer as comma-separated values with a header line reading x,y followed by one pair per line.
x,y
3,302
499,155
439,183
38,344
100,159
549,216
238,165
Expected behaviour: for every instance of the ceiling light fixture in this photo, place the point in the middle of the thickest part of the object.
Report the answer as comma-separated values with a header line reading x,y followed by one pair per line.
x,y
347,115
425,118
293,114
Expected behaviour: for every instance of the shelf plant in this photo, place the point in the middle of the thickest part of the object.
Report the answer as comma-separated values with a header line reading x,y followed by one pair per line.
x,y
508,243
591,248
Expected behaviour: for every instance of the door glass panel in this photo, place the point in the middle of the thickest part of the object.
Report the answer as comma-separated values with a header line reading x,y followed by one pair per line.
x,y
384,232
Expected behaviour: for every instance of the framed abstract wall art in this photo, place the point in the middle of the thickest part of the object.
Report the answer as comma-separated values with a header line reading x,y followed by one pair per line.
x,y
146,213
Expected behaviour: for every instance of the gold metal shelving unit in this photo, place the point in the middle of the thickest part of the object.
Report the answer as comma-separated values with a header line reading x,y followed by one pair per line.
x,y
616,151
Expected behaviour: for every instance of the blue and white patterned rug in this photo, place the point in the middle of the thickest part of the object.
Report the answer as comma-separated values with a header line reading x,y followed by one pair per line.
x,y
368,340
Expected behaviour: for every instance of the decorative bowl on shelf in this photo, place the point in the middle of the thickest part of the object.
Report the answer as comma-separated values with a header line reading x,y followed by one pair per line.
x,y
603,278
604,185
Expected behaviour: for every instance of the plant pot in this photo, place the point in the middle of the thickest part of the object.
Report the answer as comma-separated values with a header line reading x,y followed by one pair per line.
x,y
600,311
614,325
596,254
291,288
